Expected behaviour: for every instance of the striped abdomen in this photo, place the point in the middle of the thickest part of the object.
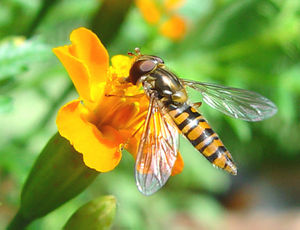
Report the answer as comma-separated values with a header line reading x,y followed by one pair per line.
x,y
196,129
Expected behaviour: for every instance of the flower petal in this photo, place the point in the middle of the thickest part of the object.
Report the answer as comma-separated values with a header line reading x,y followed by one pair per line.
x,y
171,5
99,147
178,167
86,61
87,47
133,144
174,28
149,10
77,71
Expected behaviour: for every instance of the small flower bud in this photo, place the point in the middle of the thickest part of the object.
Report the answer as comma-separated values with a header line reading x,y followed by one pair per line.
x,y
97,214
57,176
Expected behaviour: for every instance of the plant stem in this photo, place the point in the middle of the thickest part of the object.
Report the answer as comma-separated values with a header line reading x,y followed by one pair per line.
x,y
18,222
108,19
46,6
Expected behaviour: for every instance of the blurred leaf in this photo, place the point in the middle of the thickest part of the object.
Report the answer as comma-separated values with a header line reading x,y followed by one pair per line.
x,y
42,12
97,214
287,105
7,84
6,104
241,128
16,54
199,173
237,21
109,18
204,208
15,15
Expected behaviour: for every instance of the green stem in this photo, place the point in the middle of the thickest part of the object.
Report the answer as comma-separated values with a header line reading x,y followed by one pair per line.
x,y
46,6
108,19
18,222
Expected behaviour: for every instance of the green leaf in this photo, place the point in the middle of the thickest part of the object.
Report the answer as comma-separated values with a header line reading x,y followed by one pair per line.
x,y
238,21
241,128
97,214
57,176
6,104
16,54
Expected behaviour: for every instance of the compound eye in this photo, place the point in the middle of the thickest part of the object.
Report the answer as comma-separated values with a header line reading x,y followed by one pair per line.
x,y
141,68
146,66
159,60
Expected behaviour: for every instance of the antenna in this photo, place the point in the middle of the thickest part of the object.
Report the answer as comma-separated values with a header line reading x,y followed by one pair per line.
x,y
137,52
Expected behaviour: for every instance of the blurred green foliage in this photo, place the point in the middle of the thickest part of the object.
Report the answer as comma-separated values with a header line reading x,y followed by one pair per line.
x,y
251,44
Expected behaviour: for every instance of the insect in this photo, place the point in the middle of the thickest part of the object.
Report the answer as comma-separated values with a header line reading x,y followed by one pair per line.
x,y
170,113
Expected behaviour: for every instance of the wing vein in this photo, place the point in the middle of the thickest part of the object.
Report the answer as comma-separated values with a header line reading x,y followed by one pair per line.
x,y
238,103
157,150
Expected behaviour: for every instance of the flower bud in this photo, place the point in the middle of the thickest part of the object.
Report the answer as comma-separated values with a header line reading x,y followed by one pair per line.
x,y
97,214
57,176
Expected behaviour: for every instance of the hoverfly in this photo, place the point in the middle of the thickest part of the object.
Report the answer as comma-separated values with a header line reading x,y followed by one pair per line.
x,y
170,113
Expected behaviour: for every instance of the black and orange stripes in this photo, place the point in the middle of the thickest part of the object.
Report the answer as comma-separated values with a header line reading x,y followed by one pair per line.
x,y
196,129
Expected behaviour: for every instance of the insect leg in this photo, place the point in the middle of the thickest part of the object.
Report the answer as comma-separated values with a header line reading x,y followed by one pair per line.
x,y
197,104
126,96
132,136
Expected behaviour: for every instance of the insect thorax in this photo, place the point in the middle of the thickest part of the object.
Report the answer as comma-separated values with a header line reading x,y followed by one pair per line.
x,y
156,79
166,86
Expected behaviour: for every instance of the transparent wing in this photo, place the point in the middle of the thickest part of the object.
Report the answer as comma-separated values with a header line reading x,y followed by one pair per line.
x,y
238,103
157,151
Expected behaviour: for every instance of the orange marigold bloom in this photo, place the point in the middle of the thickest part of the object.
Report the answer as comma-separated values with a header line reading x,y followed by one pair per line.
x,y
149,10
172,25
174,28
173,4
106,115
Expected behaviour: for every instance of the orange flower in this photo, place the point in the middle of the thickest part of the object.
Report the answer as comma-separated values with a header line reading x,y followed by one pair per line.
x,y
107,114
173,4
172,26
149,10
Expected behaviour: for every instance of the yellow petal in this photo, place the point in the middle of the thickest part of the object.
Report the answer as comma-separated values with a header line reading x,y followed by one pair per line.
x,y
77,71
86,61
124,114
87,47
174,28
149,10
171,5
99,147
133,144
178,167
